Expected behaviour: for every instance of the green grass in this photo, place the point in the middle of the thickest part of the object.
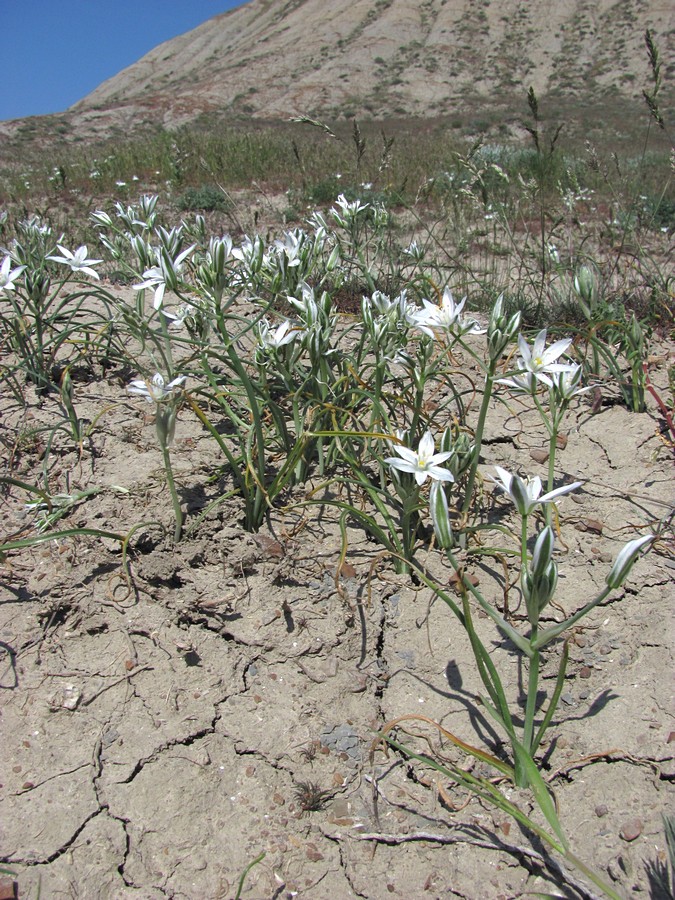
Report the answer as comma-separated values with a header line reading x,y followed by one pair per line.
x,y
500,213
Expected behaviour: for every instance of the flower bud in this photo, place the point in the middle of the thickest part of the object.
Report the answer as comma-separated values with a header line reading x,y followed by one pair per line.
x,y
586,288
438,507
625,560
333,258
543,551
540,582
539,592
463,456
100,217
497,319
446,442
635,335
142,251
165,423
501,331
520,495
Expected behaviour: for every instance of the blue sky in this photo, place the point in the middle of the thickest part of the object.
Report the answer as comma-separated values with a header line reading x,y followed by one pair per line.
x,y
54,52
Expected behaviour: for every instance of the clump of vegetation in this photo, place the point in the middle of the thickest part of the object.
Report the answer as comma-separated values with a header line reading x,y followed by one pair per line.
x,y
246,334
205,198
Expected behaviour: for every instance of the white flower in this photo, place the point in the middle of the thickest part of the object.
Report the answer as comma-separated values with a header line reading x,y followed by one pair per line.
x,y
348,211
526,494
540,361
177,319
398,311
523,384
567,383
164,275
422,464
155,391
7,277
446,317
283,334
251,253
415,251
292,245
77,261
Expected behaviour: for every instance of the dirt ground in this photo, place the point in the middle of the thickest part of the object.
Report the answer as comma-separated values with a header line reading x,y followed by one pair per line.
x,y
163,728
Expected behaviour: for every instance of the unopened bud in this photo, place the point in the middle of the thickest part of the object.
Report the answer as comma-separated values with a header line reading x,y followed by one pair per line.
x,y
625,560
438,507
543,551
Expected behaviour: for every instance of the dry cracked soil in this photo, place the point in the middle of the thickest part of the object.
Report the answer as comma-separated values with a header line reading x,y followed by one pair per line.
x,y
168,719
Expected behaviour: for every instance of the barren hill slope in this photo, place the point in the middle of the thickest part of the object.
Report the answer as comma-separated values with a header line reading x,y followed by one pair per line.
x,y
381,58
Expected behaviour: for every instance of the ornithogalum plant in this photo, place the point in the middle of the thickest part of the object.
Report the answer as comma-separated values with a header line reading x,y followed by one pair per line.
x,y
167,399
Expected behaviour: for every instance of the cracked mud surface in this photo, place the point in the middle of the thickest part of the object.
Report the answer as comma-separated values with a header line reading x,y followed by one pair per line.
x,y
160,734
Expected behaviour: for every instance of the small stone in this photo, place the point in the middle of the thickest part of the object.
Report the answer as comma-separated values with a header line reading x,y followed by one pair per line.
x,y
561,441
358,685
601,810
341,807
585,672
203,758
313,854
342,821
538,455
592,525
631,830
567,698
347,570
330,667
7,888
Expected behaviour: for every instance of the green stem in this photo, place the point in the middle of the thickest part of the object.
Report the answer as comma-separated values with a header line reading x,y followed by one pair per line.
x,y
178,512
168,355
547,636
507,630
530,705
553,702
523,547
482,415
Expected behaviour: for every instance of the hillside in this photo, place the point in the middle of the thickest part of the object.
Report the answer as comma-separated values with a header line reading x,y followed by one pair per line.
x,y
385,58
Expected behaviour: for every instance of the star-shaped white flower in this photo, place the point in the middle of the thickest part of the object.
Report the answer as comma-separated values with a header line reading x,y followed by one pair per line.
x,y
567,384
526,383
165,275
422,464
78,261
155,391
278,337
7,276
446,317
349,208
527,495
540,361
